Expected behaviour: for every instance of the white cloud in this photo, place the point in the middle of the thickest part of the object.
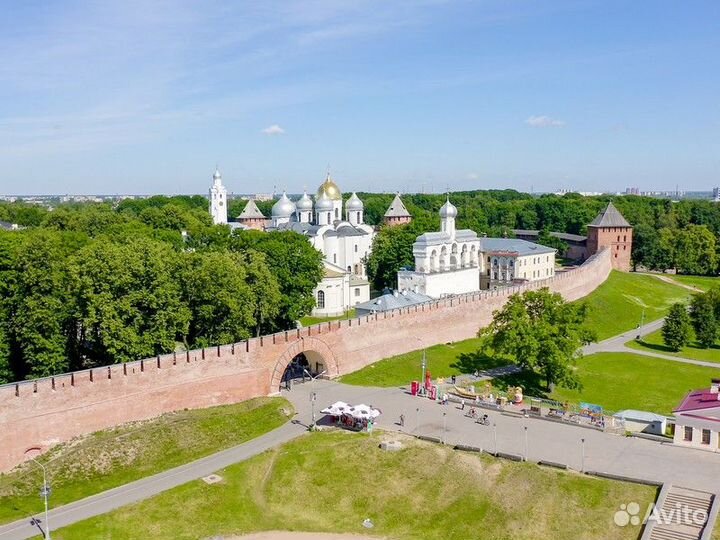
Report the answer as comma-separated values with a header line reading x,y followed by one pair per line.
x,y
273,130
544,121
472,176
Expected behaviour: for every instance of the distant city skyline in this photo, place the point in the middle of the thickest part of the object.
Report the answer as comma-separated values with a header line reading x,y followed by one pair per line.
x,y
148,97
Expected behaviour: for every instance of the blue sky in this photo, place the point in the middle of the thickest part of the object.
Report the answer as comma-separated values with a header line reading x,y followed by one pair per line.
x,y
147,96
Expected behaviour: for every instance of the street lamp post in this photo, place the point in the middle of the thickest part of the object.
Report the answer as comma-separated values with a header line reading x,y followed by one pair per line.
x,y
444,426
582,455
495,437
417,420
423,364
313,394
526,443
45,493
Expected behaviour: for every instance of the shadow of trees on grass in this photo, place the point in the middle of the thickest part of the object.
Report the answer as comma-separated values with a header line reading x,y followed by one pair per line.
x,y
662,348
533,384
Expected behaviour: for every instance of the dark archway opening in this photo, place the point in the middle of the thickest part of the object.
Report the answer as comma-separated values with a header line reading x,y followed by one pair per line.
x,y
302,366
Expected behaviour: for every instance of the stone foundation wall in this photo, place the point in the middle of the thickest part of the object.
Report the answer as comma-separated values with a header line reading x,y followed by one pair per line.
x,y
47,411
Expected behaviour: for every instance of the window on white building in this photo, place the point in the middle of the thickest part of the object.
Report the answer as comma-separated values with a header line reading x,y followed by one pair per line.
x,y
706,436
321,299
357,291
688,433
356,248
335,258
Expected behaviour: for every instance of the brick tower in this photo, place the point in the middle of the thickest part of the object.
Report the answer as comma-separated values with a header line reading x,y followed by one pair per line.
x,y
610,229
396,213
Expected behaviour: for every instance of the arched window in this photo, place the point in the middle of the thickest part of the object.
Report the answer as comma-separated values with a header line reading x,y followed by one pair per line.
x,y
321,299
336,213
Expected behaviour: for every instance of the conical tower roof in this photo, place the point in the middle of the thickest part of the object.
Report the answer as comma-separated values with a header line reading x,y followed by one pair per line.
x,y
397,208
610,217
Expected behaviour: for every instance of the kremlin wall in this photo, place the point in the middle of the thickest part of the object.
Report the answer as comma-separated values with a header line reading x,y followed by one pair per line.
x,y
48,411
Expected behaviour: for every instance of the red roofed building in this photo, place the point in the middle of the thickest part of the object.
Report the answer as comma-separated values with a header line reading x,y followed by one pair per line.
x,y
697,418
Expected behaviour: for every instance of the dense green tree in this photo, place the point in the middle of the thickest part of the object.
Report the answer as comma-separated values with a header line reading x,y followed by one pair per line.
x,y
540,331
677,327
391,251
128,302
704,320
266,293
296,265
39,304
695,250
216,290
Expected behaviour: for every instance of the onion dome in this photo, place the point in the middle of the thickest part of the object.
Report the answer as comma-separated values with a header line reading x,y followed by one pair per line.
x,y
354,203
448,210
329,187
304,203
283,208
217,175
323,203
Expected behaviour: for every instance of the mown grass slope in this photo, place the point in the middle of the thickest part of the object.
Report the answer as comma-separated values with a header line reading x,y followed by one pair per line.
x,y
109,458
331,482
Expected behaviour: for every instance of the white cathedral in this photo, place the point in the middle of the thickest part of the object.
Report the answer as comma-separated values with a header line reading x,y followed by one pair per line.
x,y
345,243
456,261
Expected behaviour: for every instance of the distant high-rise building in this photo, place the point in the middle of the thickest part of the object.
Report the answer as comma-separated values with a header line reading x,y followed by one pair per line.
x,y
716,194
632,191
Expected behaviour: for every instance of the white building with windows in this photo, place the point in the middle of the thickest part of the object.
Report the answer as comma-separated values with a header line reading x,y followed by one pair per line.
x,y
345,243
218,199
456,261
697,419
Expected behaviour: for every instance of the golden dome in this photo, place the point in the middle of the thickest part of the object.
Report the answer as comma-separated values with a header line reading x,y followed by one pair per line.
x,y
329,187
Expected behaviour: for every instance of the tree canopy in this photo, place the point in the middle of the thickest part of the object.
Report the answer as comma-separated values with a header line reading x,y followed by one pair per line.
x,y
540,331
86,285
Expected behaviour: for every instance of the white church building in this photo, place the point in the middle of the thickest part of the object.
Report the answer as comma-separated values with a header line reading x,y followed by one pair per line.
x,y
345,243
456,261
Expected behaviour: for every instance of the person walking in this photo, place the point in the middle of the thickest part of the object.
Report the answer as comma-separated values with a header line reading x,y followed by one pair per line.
x,y
402,420
462,404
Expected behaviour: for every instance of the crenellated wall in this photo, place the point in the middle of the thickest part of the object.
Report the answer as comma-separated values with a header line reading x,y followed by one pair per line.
x,y
47,411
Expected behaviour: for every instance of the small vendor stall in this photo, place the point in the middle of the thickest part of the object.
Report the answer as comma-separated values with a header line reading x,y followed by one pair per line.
x,y
358,417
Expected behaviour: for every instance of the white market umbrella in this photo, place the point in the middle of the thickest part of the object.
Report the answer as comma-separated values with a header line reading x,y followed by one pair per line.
x,y
336,409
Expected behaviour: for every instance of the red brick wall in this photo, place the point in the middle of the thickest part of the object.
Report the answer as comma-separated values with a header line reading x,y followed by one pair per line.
x,y
393,221
52,410
617,239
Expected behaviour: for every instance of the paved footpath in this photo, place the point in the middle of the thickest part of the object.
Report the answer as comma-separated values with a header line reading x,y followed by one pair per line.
x,y
617,344
152,485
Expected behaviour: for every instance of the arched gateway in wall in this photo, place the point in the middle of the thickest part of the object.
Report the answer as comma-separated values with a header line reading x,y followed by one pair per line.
x,y
319,355
46,411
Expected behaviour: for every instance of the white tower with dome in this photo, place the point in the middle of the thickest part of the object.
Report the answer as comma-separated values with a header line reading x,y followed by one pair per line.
x,y
218,200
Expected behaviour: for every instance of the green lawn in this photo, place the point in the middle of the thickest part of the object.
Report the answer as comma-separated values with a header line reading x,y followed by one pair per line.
x,y
106,459
701,282
617,305
654,342
331,482
620,381
309,321
442,361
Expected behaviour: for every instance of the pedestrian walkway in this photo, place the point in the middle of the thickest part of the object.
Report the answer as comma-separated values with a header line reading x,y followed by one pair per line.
x,y
152,485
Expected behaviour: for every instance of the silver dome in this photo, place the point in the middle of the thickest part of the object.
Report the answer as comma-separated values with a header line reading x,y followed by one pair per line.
x,y
217,175
304,202
284,207
354,203
323,203
448,210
